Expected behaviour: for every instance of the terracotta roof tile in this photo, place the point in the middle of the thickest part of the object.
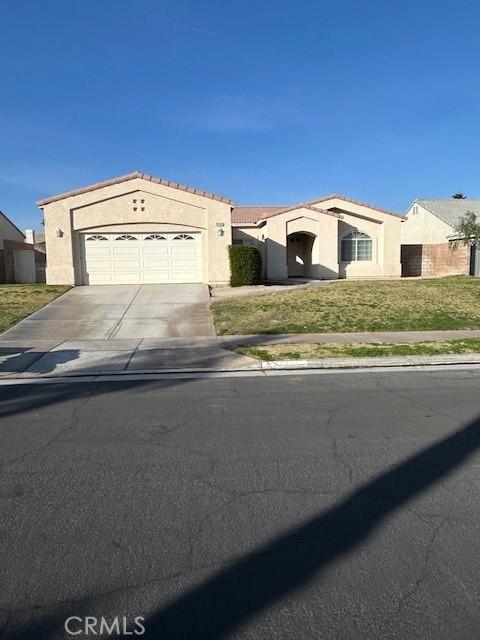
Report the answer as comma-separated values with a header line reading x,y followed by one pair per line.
x,y
338,196
254,213
245,215
132,176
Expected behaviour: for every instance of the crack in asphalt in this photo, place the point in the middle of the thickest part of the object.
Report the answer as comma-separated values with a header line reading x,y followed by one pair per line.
x,y
74,418
417,584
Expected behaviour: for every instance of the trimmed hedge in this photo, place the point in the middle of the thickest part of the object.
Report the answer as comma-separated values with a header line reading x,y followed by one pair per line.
x,y
245,265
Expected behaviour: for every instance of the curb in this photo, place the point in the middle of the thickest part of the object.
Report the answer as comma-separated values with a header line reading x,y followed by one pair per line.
x,y
259,367
380,361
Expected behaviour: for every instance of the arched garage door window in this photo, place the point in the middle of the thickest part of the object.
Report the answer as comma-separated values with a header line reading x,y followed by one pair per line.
x,y
356,246
125,236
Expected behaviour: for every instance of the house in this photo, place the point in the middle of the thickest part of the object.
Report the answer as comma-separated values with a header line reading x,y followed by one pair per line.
x,y
9,235
428,238
37,238
141,229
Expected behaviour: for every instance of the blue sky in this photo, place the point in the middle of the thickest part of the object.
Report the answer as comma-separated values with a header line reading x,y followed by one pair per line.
x,y
261,101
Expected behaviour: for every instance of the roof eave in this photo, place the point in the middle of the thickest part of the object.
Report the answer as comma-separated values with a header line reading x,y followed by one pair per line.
x,y
339,196
131,176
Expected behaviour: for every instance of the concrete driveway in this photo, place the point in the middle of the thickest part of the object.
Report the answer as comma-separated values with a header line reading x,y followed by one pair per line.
x,y
111,312
116,328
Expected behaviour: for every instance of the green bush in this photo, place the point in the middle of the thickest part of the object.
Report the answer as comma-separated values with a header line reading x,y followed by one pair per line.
x,y
245,265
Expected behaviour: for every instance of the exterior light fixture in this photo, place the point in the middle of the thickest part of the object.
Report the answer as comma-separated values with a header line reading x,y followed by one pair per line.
x,y
59,233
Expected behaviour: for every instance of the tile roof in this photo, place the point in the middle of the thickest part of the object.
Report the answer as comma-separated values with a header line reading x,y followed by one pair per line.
x,y
254,214
338,196
450,210
131,176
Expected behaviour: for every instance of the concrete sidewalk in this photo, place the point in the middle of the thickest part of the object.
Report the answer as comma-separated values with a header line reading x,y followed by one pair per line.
x,y
59,358
87,357
348,338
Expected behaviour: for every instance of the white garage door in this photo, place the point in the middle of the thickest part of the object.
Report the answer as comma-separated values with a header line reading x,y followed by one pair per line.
x,y
124,258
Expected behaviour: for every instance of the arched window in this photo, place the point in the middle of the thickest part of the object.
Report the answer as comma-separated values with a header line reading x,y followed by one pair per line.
x,y
183,236
125,236
356,246
155,236
96,237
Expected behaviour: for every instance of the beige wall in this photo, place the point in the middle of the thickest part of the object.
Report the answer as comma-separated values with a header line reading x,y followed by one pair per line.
x,y
423,227
383,228
256,236
112,208
327,230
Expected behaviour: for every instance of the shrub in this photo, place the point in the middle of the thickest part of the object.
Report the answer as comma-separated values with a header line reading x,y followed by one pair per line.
x,y
245,265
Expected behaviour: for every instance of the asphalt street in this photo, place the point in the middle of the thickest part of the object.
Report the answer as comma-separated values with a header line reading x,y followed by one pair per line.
x,y
330,506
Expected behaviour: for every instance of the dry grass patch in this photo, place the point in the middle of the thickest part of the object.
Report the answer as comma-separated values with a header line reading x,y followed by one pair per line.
x,y
20,300
401,305
312,351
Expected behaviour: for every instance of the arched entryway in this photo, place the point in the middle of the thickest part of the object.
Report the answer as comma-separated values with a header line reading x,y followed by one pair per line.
x,y
299,254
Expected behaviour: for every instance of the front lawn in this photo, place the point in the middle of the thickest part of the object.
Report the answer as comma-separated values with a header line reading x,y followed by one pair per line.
x,y
400,305
20,300
315,350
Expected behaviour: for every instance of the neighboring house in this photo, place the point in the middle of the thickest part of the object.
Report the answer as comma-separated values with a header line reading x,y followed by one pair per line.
x,y
37,238
9,234
141,229
428,237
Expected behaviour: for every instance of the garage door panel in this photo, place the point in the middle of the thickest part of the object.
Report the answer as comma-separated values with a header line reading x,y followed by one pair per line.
x,y
100,265
98,251
184,265
137,258
126,277
153,277
126,265
155,250
126,251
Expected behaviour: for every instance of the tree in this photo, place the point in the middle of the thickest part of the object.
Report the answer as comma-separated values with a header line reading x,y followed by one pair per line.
x,y
468,229
458,196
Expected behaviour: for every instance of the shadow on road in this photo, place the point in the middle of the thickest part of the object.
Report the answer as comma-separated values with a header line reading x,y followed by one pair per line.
x,y
231,597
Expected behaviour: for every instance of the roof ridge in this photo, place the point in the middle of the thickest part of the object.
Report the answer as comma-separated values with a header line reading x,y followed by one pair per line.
x,y
4,215
339,196
303,205
132,176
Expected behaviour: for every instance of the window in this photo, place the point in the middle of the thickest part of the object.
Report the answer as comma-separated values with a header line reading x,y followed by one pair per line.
x,y
183,236
155,236
125,236
356,246
244,242
96,237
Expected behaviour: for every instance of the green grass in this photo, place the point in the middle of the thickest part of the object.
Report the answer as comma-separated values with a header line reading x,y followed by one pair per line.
x,y
20,300
311,351
401,305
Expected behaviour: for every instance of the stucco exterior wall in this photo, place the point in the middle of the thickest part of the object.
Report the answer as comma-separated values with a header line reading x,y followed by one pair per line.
x,y
256,236
383,228
423,227
327,231
163,209
324,262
